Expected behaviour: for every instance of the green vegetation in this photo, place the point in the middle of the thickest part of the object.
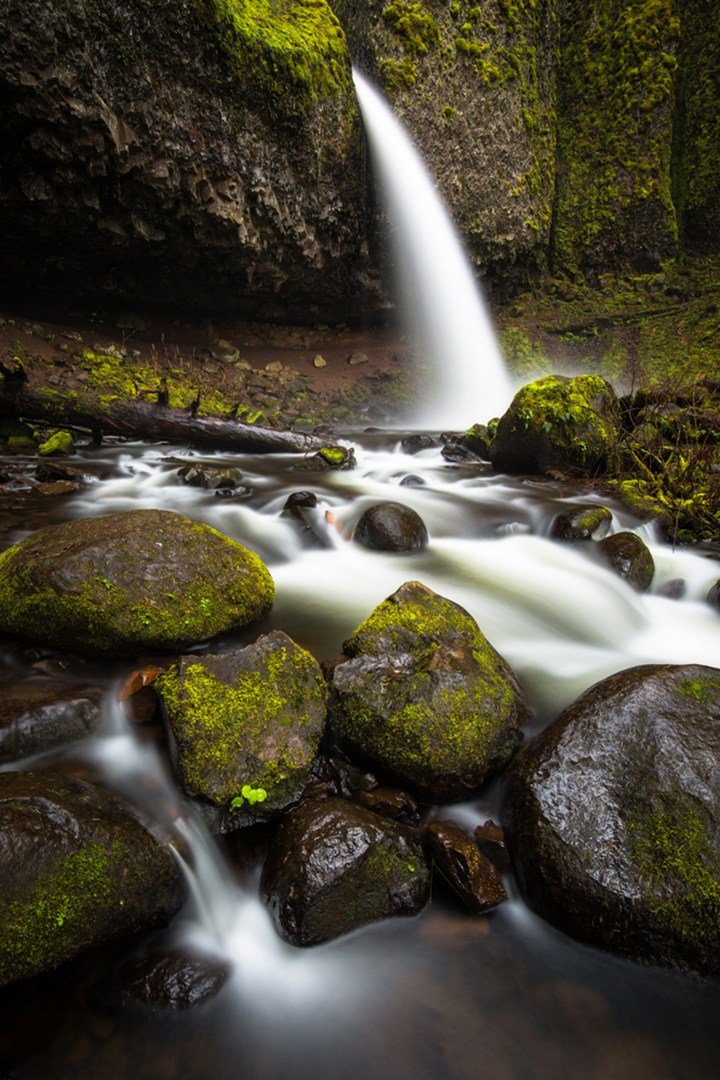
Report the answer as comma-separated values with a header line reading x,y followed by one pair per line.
x,y
61,442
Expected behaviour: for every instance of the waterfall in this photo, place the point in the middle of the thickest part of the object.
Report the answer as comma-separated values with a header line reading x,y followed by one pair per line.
x,y
467,382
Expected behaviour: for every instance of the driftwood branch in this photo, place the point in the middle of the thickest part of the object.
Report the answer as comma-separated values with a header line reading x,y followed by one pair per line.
x,y
142,419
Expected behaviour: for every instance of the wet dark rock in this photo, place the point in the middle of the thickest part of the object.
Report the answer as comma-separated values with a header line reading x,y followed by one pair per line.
x,y
674,589
58,487
464,867
582,523
307,499
206,477
413,444
327,459
246,726
490,838
40,714
630,558
77,869
335,866
613,816
390,802
411,480
390,526
49,471
558,424
351,780
713,597
173,979
239,492
423,696
130,583
470,446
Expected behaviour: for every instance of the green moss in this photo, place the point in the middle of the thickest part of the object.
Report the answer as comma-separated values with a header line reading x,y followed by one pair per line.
x,y
616,92
705,690
221,729
42,930
61,442
579,415
292,51
680,865
414,24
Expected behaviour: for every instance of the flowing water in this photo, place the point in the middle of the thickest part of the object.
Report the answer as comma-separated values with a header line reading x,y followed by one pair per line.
x,y
443,995
444,306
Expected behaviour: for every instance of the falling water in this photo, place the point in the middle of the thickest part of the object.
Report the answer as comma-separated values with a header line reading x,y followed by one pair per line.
x,y
468,381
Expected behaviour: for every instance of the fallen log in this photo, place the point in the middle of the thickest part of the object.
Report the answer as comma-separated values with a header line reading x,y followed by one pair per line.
x,y
142,419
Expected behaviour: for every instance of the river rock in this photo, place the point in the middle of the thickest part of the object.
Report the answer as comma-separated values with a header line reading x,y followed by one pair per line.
x,y
61,442
76,870
422,695
328,459
390,526
334,866
582,523
470,446
630,558
613,816
173,979
39,714
557,424
464,867
713,596
246,727
413,444
130,583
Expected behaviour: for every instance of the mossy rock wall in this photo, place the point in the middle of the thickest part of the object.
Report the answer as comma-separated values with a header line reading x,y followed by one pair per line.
x,y
475,86
696,170
204,154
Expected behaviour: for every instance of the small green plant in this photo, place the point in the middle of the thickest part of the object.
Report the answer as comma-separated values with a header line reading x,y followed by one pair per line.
x,y
250,795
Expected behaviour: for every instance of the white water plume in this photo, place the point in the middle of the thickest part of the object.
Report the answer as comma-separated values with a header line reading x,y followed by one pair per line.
x,y
468,382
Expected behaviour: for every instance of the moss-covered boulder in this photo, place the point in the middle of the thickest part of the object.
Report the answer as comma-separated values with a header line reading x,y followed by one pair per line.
x,y
613,816
557,424
422,695
334,866
76,870
246,727
39,714
130,582
582,523
630,558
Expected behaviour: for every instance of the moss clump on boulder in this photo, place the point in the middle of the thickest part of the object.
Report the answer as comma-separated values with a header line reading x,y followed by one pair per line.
x,y
582,523
77,869
61,442
334,866
130,582
613,816
558,424
422,695
246,727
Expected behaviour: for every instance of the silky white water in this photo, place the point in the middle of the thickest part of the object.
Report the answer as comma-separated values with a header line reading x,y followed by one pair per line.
x,y
467,381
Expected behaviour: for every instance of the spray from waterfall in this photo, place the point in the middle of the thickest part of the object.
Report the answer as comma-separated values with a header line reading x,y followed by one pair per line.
x,y
467,381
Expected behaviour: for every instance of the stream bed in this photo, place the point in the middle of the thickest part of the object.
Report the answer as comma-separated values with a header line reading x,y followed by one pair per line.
x,y
442,995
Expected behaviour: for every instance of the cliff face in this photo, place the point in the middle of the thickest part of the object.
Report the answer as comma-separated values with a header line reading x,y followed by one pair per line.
x,y
475,85
191,154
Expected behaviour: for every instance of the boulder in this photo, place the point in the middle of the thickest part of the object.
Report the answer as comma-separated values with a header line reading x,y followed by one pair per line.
x,y
173,979
471,446
630,558
40,714
390,526
413,444
334,866
557,424
61,442
76,869
327,459
246,727
613,816
713,596
422,695
130,583
468,872
204,159
582,523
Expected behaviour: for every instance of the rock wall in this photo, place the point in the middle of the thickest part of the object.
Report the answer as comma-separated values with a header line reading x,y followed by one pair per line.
x,y
475,85
193,154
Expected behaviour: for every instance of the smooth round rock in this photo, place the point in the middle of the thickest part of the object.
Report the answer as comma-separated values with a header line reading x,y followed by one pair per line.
x,y
76,870
130,583
335,866
613,816
582,523
630,558
390,526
